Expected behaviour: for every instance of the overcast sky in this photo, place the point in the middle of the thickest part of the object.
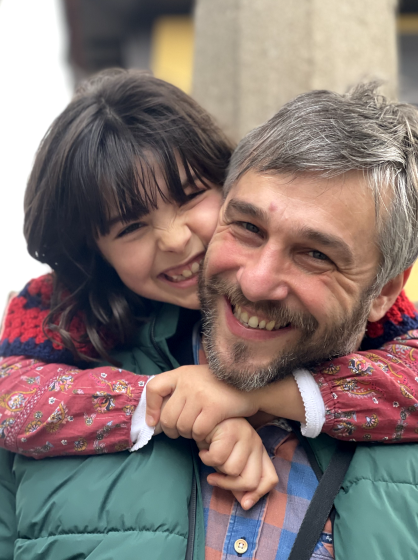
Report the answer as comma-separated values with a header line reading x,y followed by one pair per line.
x,y
35,87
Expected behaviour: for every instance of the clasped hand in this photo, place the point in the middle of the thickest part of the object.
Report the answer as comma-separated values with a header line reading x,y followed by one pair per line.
x,y
191,402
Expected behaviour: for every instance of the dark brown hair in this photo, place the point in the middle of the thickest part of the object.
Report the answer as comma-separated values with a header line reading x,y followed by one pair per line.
x,y
99,155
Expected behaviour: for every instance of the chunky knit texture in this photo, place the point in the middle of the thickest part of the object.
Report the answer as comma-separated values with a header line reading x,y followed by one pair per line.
x,y
23,333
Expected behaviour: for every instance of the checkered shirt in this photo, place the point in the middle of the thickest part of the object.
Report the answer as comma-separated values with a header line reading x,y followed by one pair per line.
x,y
270,527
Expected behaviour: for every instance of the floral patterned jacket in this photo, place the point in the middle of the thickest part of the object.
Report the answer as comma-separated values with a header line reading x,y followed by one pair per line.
x,y
49,406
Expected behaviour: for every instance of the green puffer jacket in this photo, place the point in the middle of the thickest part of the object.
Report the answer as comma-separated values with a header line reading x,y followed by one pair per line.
x,y
126,505
377,506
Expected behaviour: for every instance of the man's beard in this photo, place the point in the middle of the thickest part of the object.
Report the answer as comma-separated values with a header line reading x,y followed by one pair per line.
x,y
337,339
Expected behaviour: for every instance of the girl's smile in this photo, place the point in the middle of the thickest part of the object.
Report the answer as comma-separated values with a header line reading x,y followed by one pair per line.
x,y
184,275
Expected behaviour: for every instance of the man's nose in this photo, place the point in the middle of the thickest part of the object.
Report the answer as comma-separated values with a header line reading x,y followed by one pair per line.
x,y
264,277
174,237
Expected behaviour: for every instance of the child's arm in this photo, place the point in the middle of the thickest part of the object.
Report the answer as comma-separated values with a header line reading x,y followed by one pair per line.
x,y
373,396
370,393
55,409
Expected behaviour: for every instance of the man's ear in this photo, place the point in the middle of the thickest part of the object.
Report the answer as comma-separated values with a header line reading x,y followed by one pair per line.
x,y
387,297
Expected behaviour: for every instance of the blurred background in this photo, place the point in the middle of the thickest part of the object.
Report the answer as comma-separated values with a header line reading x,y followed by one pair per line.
x,y
241,59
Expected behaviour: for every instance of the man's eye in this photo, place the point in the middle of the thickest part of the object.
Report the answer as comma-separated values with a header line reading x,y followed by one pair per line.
x,y
250,227
129,229
318,255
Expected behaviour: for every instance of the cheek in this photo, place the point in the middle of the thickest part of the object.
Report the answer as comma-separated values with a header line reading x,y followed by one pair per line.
x,y
223,254
325,299
133,264
205,217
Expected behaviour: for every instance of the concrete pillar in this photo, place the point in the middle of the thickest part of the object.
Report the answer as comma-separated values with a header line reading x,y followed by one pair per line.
x,y
252,56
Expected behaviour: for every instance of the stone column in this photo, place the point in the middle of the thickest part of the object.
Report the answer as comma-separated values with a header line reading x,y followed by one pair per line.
x,y
252,56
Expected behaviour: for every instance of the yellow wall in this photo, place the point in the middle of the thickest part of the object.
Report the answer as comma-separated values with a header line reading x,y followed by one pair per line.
x,y
411,287
172,50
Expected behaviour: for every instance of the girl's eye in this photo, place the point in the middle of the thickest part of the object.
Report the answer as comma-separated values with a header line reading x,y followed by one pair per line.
x,y
318,256
129,229
195,194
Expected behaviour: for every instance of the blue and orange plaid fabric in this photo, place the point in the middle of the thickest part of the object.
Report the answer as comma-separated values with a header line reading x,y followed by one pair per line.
x,y
270,527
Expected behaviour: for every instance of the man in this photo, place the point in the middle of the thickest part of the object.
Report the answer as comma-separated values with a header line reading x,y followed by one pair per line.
x,y
316,237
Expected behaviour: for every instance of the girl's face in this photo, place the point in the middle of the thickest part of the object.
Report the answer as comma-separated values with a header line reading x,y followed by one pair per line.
x,y
158,255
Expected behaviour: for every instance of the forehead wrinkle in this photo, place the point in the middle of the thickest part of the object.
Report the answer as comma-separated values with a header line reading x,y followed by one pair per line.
x,y
329,240
247,209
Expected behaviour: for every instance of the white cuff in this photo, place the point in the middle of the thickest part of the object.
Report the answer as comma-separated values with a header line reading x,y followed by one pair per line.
x,y
141,433
312,401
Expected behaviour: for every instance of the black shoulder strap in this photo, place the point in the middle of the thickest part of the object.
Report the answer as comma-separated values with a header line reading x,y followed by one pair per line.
x,y
307,448
322,502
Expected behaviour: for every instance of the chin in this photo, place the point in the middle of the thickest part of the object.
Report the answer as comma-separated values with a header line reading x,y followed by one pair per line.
x,y
191,305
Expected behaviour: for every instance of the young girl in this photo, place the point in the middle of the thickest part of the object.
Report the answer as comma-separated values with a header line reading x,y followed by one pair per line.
x,y
121,203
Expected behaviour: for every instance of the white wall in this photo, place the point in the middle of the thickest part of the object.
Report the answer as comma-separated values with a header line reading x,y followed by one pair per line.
x,y
35,85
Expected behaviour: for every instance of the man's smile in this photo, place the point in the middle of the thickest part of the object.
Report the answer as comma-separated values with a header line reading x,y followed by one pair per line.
x,y
238,321
254,320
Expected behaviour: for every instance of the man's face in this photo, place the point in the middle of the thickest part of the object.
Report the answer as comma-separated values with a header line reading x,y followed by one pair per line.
x,y
286,276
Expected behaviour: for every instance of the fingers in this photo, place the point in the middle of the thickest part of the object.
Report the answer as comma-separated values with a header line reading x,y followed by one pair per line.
x,y
205,423
187,418
236,459
247,480
246,489
268,481
158,388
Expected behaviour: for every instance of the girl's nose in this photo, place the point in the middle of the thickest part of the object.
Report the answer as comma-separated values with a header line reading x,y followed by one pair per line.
x,y
174,238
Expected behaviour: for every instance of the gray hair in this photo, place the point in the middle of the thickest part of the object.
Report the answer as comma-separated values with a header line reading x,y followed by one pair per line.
x,y
330,134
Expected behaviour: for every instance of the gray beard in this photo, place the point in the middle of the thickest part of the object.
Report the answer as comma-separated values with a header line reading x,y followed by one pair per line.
x,y
338,339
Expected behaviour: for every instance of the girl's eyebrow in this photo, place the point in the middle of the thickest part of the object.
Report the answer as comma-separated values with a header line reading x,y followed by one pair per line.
x,y
186,181
118,219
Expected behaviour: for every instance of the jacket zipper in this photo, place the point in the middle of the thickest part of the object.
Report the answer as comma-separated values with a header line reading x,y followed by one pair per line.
x,y
160,351
192,520
193,493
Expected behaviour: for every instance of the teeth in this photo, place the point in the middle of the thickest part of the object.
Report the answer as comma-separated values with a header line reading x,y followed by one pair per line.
x,y
253,322
186,273
244,317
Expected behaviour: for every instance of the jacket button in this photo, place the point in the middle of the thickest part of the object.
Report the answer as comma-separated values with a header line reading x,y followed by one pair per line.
x,y
241,546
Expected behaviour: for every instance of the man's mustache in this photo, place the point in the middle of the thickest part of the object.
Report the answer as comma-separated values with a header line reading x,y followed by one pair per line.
x,y
274,310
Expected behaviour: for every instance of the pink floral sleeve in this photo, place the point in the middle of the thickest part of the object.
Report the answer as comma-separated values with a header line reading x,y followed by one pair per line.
x,y
55,409
373,396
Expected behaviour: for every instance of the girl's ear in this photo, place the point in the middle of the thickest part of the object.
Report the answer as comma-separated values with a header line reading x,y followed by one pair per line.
x,y
387,297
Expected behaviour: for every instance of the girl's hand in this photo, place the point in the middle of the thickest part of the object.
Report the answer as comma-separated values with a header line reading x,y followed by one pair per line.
x,y
198,402
236,451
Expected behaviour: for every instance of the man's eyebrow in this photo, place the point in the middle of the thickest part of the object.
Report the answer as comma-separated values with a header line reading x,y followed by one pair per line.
x,y
331,241
247,209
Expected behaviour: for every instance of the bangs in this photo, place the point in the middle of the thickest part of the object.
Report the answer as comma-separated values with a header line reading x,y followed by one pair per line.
x,y
117,178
